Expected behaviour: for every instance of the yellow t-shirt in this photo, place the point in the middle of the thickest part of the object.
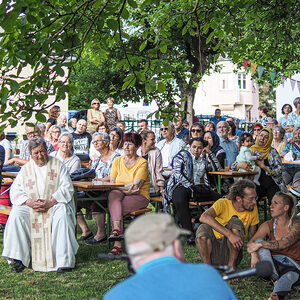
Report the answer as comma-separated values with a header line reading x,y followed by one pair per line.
x,y
225,210
125,175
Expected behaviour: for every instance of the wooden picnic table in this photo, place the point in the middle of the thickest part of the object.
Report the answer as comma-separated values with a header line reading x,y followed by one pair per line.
x,y
9,174
229,174
294,163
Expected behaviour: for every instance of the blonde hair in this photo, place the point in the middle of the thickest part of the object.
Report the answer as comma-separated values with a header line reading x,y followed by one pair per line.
x,y
95,100
111,99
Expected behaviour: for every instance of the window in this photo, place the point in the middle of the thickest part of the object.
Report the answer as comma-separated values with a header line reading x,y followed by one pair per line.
x,y
225,81
242,81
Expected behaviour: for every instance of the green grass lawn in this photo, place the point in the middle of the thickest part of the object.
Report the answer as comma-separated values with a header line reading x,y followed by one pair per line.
x,y
92,278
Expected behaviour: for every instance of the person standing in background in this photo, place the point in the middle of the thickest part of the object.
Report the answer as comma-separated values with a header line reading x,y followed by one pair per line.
x,y
217,118
111,115
54,113
94,116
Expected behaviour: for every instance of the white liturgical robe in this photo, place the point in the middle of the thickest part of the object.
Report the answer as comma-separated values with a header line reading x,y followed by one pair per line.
x,y
18,235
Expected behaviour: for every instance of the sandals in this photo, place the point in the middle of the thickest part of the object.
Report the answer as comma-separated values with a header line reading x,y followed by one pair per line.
x,y
116,232
116,250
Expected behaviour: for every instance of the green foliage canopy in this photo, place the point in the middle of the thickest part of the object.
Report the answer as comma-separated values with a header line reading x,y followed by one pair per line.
x,y
165,46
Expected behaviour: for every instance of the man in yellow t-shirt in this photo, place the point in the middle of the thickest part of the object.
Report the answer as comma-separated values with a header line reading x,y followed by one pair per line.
x,y
226,224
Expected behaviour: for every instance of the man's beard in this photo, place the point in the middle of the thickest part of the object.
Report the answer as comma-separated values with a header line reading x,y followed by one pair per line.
x,y
223,136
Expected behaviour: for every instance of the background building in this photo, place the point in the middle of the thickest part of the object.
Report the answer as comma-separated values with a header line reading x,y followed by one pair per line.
x,y
286,95
231,90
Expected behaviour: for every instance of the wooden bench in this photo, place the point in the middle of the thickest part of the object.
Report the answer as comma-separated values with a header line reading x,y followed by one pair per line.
x,y
139,212
5,210
191,204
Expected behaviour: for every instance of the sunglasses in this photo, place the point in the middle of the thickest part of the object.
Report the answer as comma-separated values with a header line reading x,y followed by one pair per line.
x,y
164,129
196,130
96,104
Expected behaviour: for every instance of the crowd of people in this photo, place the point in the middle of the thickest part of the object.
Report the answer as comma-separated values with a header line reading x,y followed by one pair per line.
x,y
175,166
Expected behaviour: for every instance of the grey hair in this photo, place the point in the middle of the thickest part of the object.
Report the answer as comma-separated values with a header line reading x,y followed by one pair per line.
x,y
137,260
171,124
51,130
36,142
296,100
53,127
71,120
280,128
295,129
225,123
41,125
104,135
68,135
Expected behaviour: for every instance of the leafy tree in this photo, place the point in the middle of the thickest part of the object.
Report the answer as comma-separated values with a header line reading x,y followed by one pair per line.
x,y
165,46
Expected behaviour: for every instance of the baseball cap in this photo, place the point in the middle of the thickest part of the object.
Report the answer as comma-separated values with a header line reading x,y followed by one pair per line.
x,y
157,231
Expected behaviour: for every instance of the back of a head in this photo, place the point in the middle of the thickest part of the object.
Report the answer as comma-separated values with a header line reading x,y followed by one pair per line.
x,y
158,232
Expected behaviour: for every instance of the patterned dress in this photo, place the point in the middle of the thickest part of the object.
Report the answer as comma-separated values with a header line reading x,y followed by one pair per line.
x,y
102,168
293,119
111,118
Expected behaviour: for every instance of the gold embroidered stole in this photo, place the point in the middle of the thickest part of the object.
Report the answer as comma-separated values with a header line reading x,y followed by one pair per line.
x,y
41,239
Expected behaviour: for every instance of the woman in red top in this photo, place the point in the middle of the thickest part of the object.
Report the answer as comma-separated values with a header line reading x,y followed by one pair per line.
x,y
278,241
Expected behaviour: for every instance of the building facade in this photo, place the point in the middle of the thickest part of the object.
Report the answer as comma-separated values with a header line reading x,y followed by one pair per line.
x,y
231,90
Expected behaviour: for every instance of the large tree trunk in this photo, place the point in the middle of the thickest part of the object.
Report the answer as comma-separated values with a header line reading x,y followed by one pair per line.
x,y
188,91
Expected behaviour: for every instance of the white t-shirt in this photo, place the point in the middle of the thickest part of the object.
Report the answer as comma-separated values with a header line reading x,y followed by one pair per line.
x,y
165,155
7,145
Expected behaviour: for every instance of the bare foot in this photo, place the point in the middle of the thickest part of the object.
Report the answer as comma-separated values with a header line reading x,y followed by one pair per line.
x,y
273,296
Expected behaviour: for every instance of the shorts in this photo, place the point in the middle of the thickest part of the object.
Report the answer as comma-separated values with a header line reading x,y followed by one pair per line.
x,y
220,252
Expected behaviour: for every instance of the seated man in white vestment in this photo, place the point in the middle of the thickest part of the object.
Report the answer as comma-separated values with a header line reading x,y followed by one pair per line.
x,y
41,227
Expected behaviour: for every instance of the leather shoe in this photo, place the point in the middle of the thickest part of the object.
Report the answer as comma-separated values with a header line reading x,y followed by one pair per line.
x,y
85,237
93,241
63,270
18,266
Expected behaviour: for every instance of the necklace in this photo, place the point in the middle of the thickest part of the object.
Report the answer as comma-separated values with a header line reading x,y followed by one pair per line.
x,y
274,226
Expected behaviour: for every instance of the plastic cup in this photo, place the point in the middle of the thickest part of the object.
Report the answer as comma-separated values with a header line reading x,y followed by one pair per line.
x,y
226,164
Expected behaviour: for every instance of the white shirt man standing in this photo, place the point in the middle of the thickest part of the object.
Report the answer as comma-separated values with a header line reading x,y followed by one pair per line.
x,y
41,225
170,145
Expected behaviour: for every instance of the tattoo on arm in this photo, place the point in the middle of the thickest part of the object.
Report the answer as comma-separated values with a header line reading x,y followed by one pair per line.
x,y
272,245
291,238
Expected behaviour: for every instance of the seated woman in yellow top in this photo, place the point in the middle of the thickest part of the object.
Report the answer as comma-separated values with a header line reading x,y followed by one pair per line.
x,y
132,171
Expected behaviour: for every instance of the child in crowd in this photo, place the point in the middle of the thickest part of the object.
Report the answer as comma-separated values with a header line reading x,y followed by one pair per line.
x,y
246,141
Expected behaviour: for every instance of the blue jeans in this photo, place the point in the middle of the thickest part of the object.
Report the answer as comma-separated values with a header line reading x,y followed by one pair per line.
x,y
285,282
10,168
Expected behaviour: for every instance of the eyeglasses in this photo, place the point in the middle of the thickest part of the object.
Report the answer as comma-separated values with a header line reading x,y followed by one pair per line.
x,y
164,129
96,104
97,142
253,199
196,130
65,142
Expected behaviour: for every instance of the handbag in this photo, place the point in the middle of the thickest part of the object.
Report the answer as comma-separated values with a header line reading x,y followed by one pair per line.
x,y
83,174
